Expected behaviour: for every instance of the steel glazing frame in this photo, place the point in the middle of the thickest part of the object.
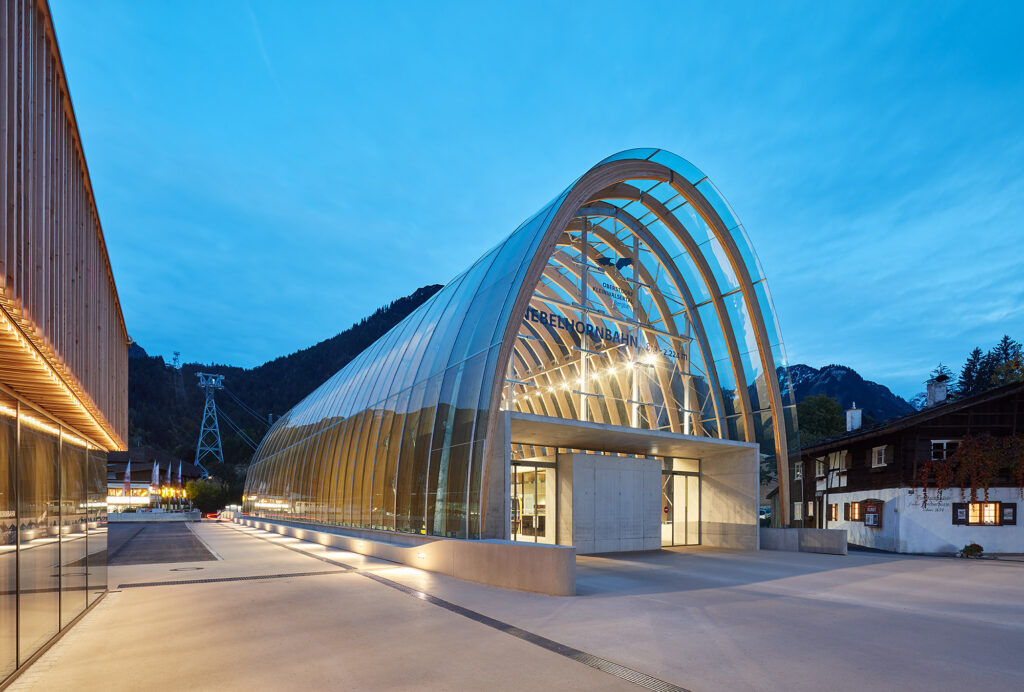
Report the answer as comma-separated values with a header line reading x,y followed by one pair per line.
x,y
403,437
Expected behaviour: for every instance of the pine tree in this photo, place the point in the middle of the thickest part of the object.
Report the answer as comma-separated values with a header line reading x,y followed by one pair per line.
x,y
969,383
940,371
986,371
1006,350
1006,363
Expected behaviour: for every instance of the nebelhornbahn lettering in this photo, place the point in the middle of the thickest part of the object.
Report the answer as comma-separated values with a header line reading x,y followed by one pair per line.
x,y
580,327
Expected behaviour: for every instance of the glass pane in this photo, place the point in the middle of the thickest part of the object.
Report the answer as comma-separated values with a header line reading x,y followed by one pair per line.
x,y
97,539
73,593
8,539
38,521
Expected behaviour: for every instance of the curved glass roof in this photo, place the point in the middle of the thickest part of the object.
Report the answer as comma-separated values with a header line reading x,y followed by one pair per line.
x,y
633,298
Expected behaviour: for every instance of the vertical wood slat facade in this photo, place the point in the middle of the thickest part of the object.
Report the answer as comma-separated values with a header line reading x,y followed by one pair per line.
x,y
63,344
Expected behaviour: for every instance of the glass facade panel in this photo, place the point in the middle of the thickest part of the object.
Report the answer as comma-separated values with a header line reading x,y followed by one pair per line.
x,y
8,538
624,309
73,572
96,541
39,530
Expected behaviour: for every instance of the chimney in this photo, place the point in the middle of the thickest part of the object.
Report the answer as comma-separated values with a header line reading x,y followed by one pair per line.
x,y
853,418
936,391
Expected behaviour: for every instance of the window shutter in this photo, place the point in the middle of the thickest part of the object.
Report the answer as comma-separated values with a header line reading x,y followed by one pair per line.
x,y
1008,513
846,511
959,513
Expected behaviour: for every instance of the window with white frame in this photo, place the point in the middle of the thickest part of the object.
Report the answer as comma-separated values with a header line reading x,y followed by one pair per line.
x,y
943,449
798,510
983,513
879,456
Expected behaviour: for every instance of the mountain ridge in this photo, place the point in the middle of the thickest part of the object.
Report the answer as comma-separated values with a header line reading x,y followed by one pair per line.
x,y
846,385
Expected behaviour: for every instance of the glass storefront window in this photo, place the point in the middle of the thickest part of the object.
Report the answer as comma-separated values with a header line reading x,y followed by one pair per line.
x,y
533,504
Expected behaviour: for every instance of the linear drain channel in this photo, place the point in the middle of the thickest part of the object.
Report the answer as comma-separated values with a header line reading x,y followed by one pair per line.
x,y
596,662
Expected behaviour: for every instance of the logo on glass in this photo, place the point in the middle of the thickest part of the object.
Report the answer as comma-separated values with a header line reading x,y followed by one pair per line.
x,y
619,264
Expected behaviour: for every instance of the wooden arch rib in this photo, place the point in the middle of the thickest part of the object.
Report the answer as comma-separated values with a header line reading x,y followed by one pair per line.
x,y
742,273
587,189
664,381
621,282
547,336
665,260
627,191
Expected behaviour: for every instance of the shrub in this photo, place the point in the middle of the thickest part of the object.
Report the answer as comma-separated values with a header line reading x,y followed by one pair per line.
x,y
971,550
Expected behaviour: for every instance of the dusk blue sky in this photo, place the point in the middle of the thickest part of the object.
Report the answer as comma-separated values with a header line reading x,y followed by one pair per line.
x,y
268,173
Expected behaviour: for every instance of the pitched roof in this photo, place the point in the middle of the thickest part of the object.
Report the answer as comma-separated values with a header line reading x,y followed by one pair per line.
x,y
911,419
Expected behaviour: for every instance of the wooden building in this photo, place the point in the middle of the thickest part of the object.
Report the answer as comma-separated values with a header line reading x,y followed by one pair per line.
x,y
63,350
880,483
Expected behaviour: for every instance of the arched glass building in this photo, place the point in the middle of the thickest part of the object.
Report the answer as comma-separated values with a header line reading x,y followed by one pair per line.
x,y
628,318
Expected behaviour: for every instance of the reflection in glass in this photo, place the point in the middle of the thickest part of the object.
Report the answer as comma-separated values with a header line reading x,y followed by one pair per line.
x,y
8,539
73,593
39,530
644,310
97,537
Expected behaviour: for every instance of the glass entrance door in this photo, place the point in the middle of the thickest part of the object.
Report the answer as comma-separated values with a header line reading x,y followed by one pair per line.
x,y
680,507
533,503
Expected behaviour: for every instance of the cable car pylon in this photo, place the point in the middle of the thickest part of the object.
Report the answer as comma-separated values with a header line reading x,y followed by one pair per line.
x,y
209,434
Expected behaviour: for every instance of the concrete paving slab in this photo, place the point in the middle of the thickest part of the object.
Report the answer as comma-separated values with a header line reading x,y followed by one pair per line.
x,y
713,620
702,619
321,631
141,544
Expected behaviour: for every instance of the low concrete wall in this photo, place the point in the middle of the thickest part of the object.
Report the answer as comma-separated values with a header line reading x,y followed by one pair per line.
x,y
780,539
126,517
546,569
830,541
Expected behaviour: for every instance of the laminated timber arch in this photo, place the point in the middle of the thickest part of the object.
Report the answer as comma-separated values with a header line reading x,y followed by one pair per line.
x,y
407,436
607,181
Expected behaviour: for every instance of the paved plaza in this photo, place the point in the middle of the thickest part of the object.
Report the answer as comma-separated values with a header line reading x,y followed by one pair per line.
x,y
269,612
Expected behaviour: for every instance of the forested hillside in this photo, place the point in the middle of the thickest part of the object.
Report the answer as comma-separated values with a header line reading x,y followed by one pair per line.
x,y
166,406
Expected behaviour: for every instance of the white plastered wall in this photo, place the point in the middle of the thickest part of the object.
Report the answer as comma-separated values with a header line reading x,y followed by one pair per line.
x,y
907,527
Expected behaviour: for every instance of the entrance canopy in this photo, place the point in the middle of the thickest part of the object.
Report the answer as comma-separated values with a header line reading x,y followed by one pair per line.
x,y
541,431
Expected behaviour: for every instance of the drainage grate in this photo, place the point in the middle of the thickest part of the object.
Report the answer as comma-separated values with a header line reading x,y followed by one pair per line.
x,y
255,577
596,662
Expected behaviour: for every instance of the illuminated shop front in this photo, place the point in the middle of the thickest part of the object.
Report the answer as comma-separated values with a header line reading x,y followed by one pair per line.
x,y
611,368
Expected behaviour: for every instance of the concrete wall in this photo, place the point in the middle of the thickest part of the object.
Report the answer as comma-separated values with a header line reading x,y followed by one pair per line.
x,y
729,500
132,517
909,528
546,569
609,504
830,541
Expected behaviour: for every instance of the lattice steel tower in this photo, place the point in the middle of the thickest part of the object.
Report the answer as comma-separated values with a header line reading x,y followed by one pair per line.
x,y
209,434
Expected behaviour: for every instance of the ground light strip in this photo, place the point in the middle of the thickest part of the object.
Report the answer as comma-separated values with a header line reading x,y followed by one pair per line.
x,y
596,662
